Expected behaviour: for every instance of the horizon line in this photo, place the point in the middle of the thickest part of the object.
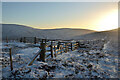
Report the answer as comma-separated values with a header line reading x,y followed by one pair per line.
x,y
54,28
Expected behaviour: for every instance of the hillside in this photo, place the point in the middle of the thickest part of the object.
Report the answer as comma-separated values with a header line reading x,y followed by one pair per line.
x,y
111,34
13,31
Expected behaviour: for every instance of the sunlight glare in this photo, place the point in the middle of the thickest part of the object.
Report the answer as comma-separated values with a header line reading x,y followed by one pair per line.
x,y
109,22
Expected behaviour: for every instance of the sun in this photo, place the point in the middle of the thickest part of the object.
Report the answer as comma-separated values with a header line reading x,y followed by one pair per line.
x,y
109,22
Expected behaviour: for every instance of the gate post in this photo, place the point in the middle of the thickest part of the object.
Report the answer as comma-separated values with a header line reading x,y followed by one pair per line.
x,y
24,40
66,47
43,50
58,45
11,66
7,39
35,40
71,46
77,44
55,50
51,49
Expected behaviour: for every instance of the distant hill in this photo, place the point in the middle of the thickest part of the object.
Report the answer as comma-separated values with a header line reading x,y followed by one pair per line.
x,y
13,31
110,34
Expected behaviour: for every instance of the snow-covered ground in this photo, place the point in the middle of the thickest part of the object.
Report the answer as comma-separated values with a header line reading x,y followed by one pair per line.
x,y
92,60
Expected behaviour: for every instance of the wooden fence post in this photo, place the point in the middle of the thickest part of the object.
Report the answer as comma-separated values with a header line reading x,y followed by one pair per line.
x,y
11,66
35,40
24,40
42,41
77,44
43,50
45,40
65,47
71,46
58,45
61,49
52,49
7,39
20,39
55,50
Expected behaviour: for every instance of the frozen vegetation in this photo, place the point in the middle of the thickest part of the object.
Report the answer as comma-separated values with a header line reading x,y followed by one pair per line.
x,y
94,59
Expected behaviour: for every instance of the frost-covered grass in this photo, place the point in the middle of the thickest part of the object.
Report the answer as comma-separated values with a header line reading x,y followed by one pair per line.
x,y
93,60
